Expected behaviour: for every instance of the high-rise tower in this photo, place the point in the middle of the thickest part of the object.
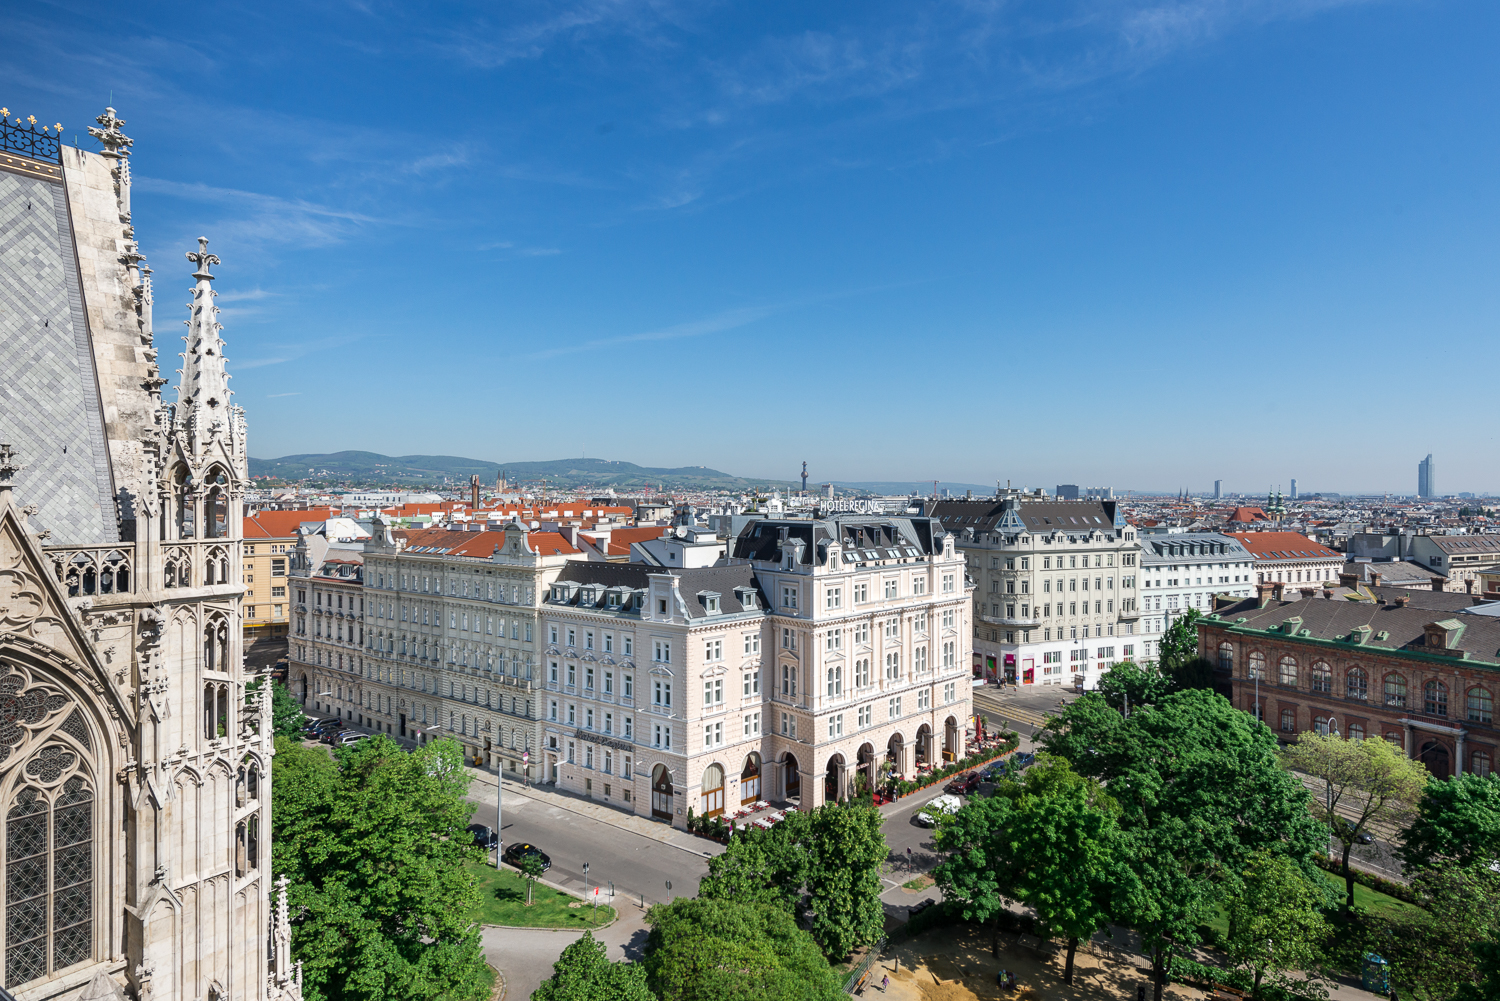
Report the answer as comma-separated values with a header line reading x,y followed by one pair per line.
x,y
1426,478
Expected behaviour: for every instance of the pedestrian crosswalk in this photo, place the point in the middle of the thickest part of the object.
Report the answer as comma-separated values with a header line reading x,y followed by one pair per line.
x,y
997,711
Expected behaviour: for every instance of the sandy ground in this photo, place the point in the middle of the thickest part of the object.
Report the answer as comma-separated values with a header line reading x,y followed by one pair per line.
x,y
954,964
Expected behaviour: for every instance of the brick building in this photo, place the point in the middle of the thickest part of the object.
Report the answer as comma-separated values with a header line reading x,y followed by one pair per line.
x,y
1423,678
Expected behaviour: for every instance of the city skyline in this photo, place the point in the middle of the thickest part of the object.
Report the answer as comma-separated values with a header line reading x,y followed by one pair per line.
x,y
564,202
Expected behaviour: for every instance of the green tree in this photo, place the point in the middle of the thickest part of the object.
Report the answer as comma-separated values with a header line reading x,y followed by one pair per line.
x,y
1179,644
1200,789
822,866
1457,823
530,867
846,847
1431,949
373,843
1128,685
1048,839
1275,921
286,712
723,950
978,873
1486,986
1372,781
763,866
584,973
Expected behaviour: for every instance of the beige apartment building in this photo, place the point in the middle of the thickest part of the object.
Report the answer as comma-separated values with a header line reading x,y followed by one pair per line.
x,y
326,649
818,650
1055,597
269,538
451,637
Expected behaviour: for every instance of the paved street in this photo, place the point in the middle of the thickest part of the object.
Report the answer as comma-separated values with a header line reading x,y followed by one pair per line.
x,y
639,866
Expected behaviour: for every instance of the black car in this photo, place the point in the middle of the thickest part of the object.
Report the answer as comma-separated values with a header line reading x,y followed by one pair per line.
x,y
515,853
316,729
484,837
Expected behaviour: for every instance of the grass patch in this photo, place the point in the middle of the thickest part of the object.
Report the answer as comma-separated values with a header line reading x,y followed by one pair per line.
x,y
922,882
502,901
1370,901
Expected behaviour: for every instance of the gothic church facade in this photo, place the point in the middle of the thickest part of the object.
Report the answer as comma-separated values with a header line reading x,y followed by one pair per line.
x,y
135,758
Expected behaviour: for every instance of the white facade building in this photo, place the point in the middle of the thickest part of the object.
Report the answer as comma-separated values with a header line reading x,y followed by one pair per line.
x,y
1184,571
817,651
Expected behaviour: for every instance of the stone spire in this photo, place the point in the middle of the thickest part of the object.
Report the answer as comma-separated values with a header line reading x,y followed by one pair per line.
x,y
205,385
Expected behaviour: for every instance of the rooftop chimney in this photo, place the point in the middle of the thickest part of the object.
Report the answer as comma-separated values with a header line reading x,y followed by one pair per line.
x,y
1278,591
1374,578
1349,580
1263,593
1437,583
1403,600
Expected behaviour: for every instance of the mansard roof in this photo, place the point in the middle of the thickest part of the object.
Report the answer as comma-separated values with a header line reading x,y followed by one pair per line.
x,y
1385,627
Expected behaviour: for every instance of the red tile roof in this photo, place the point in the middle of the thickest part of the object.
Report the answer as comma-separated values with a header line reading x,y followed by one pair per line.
x,y
620,539
282,524
1283,546
479,545
1246,515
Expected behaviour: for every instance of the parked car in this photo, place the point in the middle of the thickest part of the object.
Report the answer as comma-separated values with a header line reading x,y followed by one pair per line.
x,y
962,785
347,739
314,729
334,736
929,815
516,852
484,837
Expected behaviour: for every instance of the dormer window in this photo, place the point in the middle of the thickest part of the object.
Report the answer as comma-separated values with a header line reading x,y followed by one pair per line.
x,y
710,601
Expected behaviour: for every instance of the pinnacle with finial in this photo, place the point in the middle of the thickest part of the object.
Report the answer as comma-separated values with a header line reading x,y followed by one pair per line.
x,y
203,259
116,143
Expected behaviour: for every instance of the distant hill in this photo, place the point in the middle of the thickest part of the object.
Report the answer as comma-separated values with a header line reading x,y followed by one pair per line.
x,y
372,468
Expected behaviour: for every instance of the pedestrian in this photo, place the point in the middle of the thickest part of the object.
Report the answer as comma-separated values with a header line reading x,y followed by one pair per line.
x,y
1140,992
908,857
884,983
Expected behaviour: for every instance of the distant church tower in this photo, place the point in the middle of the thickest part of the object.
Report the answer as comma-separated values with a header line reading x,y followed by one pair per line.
x,y
135,765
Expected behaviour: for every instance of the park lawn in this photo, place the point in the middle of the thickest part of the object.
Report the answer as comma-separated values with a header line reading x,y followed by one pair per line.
x,y
502,901
1371,901
1368,900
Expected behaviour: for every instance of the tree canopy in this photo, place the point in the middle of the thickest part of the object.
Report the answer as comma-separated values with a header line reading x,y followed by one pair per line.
x,y
1457,823
374,845
1200,789
724,950
1276,923
1049,840
1128,685
822,866
584,973
1366,782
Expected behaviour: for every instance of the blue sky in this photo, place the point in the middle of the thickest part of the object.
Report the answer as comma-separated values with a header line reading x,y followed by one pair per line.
x,y
1141,243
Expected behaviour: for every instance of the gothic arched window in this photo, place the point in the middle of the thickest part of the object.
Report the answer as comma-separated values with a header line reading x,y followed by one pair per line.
x,y
216,506
49,869
183,503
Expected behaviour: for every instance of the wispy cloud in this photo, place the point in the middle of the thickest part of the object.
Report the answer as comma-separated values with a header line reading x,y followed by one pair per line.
x,y
519,251
266,218
247,294
277,396
279,354
728,319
